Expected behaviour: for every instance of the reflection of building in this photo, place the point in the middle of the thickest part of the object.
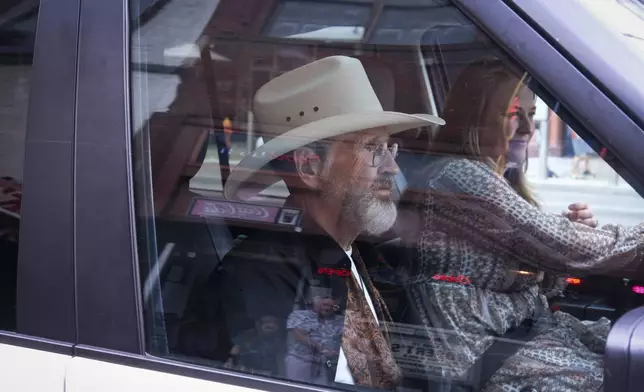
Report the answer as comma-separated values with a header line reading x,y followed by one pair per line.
x,y
236,52
257,51
557,134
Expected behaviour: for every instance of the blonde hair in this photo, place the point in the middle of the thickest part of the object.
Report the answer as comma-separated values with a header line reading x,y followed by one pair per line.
x,y
464,113
517,180
467,106
516,176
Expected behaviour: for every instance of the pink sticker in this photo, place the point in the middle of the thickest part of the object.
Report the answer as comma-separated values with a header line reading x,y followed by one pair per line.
x,y
225,209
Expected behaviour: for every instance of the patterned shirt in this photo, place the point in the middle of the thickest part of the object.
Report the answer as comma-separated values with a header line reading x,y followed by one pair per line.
x,y
472,224
326,332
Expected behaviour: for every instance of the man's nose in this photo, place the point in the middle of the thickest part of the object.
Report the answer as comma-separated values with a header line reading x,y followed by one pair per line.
x,y
389,165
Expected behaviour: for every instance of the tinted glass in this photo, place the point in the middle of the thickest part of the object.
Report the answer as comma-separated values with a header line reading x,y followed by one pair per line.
x,y
299,232
17,35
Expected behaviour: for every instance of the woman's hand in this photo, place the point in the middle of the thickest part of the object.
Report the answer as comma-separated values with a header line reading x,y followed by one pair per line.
x,y
581,213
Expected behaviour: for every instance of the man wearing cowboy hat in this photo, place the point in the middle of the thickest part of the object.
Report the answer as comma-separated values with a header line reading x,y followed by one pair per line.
x,y
328,123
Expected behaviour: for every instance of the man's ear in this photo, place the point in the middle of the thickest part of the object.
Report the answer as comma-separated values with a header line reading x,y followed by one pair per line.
x,y
308,166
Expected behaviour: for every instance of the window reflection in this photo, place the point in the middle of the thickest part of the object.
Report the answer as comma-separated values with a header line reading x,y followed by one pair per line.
x,y
320,20
17,35
476,240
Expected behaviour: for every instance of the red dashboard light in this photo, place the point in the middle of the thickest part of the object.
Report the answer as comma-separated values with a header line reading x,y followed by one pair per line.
x,y
573,281
638,289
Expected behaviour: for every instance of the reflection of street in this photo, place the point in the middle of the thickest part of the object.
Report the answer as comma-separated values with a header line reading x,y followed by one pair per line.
x,y
208,178
176,25
610,197
620,208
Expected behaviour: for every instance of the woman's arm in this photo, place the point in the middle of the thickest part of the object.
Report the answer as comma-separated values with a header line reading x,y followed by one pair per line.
x,y
466,198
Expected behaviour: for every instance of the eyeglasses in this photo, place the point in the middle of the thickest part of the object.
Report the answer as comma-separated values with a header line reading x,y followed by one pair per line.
x,y
380,151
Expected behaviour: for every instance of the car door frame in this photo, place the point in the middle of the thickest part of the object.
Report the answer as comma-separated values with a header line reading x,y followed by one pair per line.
x,y
45,305
109,311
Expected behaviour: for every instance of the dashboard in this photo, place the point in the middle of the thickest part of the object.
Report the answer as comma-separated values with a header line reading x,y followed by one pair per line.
x,y
593,297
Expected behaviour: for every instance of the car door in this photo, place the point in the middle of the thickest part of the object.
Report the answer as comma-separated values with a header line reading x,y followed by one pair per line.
x,y
37,74
164,110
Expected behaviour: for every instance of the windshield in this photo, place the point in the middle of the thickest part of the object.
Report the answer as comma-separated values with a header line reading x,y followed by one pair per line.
x,y
604,37
625,17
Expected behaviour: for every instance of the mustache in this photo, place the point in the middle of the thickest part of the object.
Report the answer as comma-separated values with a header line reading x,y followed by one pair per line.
x,y
384,182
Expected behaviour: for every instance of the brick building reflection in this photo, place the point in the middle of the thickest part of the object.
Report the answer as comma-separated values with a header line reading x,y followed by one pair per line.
x,y
234,51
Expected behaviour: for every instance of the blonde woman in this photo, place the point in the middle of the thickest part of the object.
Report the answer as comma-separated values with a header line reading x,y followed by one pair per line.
x,y
473,224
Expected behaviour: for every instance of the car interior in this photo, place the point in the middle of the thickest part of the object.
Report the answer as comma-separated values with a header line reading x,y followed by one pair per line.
x,y
191,243
192,122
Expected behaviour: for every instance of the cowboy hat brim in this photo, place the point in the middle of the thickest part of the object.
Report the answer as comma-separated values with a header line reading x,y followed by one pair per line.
x,y
325,128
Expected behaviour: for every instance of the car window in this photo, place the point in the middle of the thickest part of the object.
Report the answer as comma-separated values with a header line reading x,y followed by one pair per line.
x,y
625,18
370,193
17,35
603,36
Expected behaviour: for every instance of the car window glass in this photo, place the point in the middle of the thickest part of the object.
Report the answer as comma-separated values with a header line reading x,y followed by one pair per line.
x,y
303,215
17,36
625,18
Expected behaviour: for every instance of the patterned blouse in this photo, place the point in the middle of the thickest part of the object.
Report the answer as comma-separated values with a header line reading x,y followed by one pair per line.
x,y
474,224
481,250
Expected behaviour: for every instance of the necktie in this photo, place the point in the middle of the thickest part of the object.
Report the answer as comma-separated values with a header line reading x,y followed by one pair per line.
x,y
366,348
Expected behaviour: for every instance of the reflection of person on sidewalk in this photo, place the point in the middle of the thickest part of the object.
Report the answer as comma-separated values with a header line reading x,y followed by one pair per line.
x,y
315,336
260,349
583,152
228,132
540,139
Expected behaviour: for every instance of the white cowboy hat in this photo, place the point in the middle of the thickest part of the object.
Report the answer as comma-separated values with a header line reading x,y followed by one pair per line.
x,y
323,99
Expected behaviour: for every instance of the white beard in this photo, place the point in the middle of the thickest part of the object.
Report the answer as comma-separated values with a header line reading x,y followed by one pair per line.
x,y
372,215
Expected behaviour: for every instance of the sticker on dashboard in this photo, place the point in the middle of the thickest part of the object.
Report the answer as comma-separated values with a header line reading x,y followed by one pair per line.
x,y
244,211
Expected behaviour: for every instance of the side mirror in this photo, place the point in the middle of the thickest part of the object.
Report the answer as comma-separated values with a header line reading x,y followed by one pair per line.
x,y
624,355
